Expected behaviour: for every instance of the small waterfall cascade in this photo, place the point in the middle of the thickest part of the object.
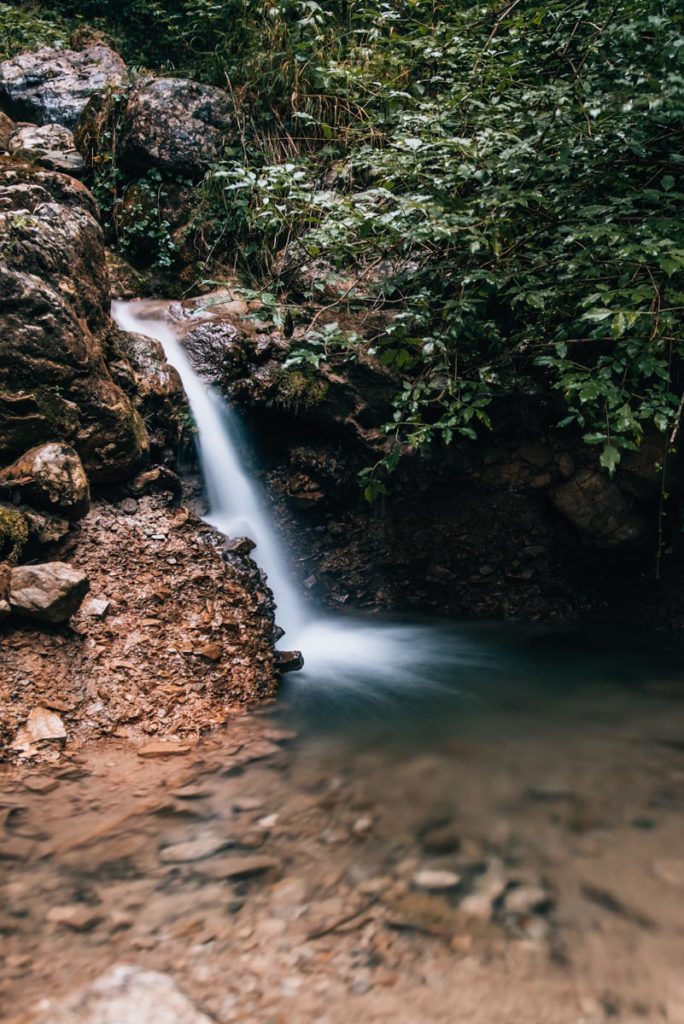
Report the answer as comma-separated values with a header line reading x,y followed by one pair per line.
x,y
236,508
342,654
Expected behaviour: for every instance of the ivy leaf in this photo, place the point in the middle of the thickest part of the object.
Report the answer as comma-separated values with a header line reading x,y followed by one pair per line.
x,y
610,458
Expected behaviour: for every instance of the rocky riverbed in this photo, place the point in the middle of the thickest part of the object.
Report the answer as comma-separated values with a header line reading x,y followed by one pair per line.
x,y
523,866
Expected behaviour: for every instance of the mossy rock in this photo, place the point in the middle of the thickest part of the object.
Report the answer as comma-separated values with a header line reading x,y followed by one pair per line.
x,y
14,534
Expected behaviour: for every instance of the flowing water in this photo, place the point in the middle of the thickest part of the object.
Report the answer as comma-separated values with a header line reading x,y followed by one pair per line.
x,y
458,824
346,653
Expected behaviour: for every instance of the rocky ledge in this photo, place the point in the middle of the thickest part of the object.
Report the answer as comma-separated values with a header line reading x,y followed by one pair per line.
x,y
176,633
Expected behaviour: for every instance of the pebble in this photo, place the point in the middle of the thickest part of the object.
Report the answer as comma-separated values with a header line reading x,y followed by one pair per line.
x,y
159,748
196,849
670,870
525,899
247,803
242,867
76,916
435,879
40,784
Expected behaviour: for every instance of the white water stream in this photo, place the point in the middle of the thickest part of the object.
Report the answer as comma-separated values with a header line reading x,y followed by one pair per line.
x,y
339,650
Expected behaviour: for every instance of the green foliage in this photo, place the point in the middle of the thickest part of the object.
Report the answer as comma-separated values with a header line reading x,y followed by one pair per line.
x,y
504,178
507,183
27,27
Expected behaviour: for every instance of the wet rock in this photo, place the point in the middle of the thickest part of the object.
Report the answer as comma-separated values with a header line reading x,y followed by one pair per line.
x,y
239,546
55,384
289,661
596,506
124,993
51,592
50,145
176,125
42,725
155,387
77,916
51,477
436,880
51,86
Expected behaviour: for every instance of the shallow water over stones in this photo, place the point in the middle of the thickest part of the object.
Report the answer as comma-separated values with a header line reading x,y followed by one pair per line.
x,y
499,845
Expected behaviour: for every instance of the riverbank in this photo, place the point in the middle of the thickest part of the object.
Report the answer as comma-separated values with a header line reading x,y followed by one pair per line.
x,y
521,861
175,635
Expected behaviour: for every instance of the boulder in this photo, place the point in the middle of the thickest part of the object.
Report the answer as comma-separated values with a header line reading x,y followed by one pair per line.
x,y
55,328
175,125
596,506
50,592
50,477
123,993
155,388
52,86
50,145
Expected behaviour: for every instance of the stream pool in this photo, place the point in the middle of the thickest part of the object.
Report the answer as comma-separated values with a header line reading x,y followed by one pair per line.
x,y
497,836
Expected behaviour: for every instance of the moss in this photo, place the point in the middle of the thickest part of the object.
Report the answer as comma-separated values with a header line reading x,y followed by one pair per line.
x,y
14,533
297,390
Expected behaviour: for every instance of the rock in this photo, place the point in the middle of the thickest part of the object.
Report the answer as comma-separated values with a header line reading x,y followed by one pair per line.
x,y
55,383
436,880
51,86
212,652
444,839
95,607
51,477
76,916
51,592
289,661
159,397
40,783
44,528
160,748
241,867
239,546
670,870
487,889
196,849
159,480
41,726
176,125
596,506
50,145
123,994
7,126
526,899
5,610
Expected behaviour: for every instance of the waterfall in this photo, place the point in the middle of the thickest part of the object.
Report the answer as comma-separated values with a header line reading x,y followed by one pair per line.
x,y
347,654
236,507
